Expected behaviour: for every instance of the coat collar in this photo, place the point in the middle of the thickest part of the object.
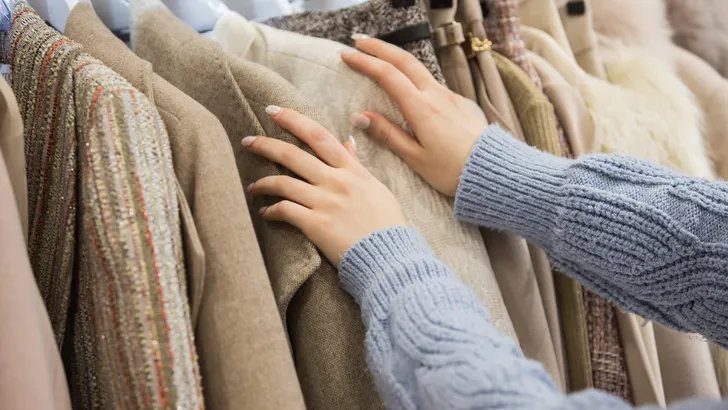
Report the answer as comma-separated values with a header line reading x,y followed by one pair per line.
x,y
86,28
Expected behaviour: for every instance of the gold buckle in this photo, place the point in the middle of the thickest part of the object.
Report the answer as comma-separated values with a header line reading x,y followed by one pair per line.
x,y
474,45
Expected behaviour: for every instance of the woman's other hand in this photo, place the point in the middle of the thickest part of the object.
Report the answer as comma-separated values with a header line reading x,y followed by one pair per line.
x,y
446,125
338,202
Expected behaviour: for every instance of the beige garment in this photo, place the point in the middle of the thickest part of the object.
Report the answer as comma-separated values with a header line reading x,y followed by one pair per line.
x,y
13,151
711,92
570,108
244,358
509,253
314,67
544,15
640,351
686,365
447,38
640,354
31,376
490,91
582,38
323,322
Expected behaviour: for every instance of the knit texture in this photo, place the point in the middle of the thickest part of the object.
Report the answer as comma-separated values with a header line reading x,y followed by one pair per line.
x,y
374,18
110,177
670,233
313,66
430,344
534,110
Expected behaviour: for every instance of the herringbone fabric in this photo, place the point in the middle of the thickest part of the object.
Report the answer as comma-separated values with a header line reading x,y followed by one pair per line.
x,y
104,225
374,18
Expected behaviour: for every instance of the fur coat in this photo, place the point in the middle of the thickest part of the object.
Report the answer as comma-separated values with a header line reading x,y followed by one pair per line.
x,y
635,43
701,26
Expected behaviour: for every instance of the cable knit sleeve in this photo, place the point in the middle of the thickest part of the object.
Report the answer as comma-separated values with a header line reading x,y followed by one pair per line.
x,y
430,344
651,240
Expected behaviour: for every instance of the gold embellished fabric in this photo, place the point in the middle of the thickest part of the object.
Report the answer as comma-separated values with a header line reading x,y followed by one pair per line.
x,y
104,229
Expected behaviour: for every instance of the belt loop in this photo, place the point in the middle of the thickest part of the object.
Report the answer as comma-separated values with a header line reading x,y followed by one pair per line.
x,y
449,34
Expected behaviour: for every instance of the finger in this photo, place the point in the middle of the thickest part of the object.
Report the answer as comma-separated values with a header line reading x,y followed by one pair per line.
x,y
351,148
400,88
325,145
389,134
403,60
295,159
288,211
285,187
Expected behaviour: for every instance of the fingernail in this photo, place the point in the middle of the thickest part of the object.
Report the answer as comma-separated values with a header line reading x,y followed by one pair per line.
x,y
262,210
273,110
250,187
353,141
347,51
360,36
248,141
360,121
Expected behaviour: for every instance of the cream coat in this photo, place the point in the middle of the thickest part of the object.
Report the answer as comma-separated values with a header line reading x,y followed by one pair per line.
x,y
305,61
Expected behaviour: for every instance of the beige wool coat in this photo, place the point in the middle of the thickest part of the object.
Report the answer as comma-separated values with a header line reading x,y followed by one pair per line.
x,y
324,323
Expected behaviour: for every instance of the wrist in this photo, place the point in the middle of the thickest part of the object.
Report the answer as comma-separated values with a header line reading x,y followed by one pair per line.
x,y
386,262
508,185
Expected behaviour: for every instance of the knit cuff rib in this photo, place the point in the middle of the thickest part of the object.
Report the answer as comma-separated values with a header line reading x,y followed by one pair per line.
x,y
510,186
383,264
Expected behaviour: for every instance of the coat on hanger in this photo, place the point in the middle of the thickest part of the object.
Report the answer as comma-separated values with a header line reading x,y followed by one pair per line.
x,y
312,65
243,357
103,213
323,322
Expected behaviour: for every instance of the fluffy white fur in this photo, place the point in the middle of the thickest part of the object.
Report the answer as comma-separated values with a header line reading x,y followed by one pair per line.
x,y
701,26
651,115
638,23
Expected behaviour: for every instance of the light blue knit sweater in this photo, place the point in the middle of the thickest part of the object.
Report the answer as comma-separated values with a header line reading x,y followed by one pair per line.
x,y
642,236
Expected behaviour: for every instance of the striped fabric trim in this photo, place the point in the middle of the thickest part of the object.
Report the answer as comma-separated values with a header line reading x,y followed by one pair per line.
x,y
105,228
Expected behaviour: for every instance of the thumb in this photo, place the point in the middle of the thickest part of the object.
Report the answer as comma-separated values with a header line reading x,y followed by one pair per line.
x,y
389,134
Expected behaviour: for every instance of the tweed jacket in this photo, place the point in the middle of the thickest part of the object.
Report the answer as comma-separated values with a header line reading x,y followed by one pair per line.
x,y
243,358
374,18
582,37
323,322
305,61
32,374
107,172
13,151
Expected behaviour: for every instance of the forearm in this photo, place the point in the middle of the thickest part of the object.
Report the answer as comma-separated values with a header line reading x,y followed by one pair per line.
x,y
430,343
642,236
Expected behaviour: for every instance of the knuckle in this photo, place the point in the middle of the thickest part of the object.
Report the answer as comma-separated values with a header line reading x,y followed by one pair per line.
x,y
318,135
287,154
387,71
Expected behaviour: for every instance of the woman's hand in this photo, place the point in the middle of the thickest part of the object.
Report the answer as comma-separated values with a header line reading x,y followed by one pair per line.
x,y
338,203
445,124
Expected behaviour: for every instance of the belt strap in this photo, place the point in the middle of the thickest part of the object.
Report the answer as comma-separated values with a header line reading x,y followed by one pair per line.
x,y
408,34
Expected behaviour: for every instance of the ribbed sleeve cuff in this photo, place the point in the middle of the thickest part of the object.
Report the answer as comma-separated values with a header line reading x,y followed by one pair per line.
x,y
510,186
380,266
